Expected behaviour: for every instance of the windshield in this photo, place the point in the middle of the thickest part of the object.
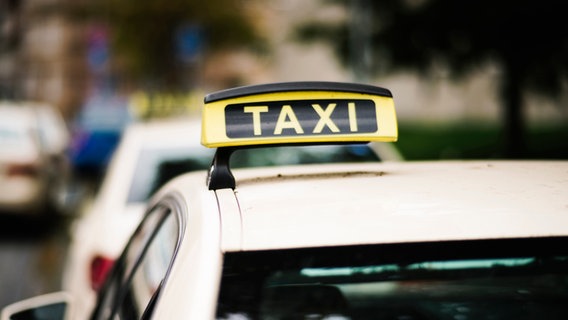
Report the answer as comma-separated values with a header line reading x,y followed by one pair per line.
x,y
506,279
156,166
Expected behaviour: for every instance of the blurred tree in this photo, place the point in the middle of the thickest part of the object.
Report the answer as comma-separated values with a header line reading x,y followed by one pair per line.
x,y
527,40
156,40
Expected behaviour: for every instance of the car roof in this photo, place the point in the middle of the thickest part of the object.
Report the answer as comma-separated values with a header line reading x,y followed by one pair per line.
x,y
394,202
166,132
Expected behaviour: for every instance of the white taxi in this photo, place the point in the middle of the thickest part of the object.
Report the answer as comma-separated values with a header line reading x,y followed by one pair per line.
x,y
394,240
148,155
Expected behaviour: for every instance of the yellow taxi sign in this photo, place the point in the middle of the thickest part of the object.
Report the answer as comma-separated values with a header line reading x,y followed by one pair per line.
x,y
298,112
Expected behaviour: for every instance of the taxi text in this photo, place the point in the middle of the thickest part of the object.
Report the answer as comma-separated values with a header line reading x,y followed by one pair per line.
x,y
300,117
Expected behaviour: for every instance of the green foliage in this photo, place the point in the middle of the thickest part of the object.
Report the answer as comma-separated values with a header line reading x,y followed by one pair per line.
x,y
527,40
474,140
531,36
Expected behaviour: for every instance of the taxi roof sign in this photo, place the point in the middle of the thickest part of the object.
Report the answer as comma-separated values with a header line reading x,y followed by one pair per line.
x,y
298,112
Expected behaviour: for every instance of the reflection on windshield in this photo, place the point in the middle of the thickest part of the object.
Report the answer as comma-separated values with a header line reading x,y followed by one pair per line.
x,y
498,279
424,266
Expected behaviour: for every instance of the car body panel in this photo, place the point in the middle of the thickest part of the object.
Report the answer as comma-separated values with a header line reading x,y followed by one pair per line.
x,y
230,213
351,204
433,201
199,267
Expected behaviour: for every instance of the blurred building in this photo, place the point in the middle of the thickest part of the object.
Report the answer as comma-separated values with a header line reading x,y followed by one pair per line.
x,y
41,54
46,54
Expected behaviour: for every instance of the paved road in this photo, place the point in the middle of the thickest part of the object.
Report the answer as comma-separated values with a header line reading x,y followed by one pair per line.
x,y
32,252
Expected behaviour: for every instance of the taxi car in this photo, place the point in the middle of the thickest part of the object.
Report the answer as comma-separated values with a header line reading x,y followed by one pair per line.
x,y
148,155
383,240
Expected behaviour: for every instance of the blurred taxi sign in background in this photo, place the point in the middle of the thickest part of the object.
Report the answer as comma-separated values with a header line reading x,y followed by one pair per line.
x,y
298,112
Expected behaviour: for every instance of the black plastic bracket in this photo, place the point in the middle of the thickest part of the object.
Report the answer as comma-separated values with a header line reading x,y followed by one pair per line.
x,y
220,175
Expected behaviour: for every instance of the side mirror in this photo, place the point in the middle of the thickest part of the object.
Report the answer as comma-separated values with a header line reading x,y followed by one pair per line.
x,y
51,306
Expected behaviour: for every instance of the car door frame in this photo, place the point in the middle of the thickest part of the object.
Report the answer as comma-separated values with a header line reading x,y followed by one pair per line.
x,y
168,205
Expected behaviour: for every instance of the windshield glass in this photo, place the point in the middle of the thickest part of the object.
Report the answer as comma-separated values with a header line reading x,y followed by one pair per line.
x,y
506,279
156,166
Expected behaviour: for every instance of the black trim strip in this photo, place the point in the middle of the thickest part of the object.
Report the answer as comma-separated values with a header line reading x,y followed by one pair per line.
x,y
296,86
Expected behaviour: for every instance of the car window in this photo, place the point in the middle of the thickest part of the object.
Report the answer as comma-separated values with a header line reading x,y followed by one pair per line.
x,y
148,276
496,279
156,166
138,274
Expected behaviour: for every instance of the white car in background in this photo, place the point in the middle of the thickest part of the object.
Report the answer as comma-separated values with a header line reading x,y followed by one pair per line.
x,y
148,155
34,169
138,166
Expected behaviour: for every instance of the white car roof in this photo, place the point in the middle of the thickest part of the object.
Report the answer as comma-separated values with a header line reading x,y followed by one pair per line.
x,y
349,204
184,132
138,136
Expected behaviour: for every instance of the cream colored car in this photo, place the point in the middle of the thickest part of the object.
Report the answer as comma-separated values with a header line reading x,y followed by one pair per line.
x,y
148,155
379,240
